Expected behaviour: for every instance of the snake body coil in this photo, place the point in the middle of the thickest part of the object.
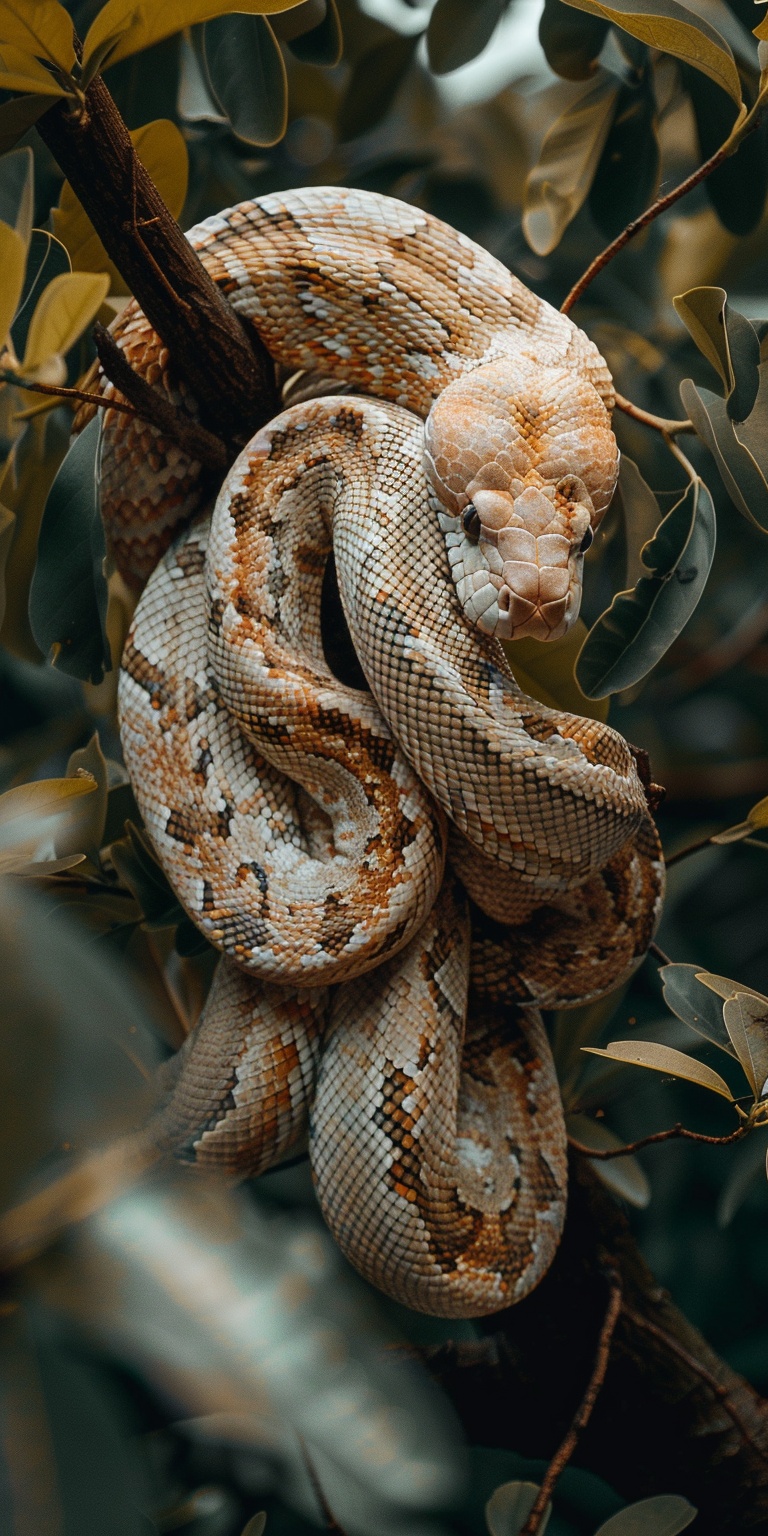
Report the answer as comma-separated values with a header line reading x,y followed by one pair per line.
x,y
305,824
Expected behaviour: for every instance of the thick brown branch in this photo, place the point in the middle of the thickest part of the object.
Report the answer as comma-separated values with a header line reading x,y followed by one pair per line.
x,y
660,206
154,407
583,1413
225,365
658,1426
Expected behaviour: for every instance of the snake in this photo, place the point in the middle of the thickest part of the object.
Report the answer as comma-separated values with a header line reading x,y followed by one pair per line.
x,y
400,867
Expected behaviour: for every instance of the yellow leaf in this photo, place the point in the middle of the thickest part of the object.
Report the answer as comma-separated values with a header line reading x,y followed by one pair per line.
x,y
676,29
21,71
41,28
726,988
663,1058
560,181
544,669
746,1017
161,149
38,820
64,309
123,27
761,31
758,816
13,264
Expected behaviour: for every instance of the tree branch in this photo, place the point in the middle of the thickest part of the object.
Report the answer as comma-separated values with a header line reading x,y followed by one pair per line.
x,y
583,1413
225,365
745,125
148,403
658,1425
675,1132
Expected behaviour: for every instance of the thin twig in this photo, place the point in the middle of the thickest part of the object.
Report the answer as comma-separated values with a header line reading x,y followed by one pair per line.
x,y
659,954
678,1132
82,396
331,1523
684,853
738,133
699,1370
584,1411
155,408
659,423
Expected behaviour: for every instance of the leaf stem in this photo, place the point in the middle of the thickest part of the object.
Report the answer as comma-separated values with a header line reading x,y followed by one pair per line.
x,y
584,1411
744,125
675,1132
684,853
659,423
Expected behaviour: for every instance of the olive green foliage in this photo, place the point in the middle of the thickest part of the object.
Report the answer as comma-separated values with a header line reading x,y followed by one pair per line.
x,y
201,1361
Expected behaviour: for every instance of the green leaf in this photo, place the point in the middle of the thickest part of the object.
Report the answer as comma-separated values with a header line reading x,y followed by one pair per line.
x,y
749,1164
40,28
546,672
674,29
641,514
664,1515
77,1046
509,1506
630,638
374,83
322,44
66,306
728,341
623,1175
17,117
737,188
627,177
571,43
458,31
688,998
90,760
739,449
123,27
13,261
663,1058
7,526
247,75
137,866
17,192
68,600
560,181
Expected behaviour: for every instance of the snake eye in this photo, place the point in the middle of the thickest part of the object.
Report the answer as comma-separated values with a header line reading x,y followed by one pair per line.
x,y
586,541
470,521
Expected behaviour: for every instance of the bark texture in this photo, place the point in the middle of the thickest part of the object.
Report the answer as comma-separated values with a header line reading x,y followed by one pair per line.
x,y
225,364
671,1416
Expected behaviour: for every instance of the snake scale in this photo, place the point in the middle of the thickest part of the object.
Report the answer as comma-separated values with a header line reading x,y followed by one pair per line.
x,y
398,876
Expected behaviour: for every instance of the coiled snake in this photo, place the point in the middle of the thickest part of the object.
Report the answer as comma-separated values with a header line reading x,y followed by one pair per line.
x,y
397,878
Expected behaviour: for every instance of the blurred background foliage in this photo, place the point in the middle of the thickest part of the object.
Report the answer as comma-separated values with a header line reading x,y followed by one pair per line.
x,y
539,131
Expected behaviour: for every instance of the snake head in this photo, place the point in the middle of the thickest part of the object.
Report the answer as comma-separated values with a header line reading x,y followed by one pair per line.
x,y
524,463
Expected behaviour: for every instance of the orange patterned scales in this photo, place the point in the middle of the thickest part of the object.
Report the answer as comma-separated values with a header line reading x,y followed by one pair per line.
x,y
305,824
